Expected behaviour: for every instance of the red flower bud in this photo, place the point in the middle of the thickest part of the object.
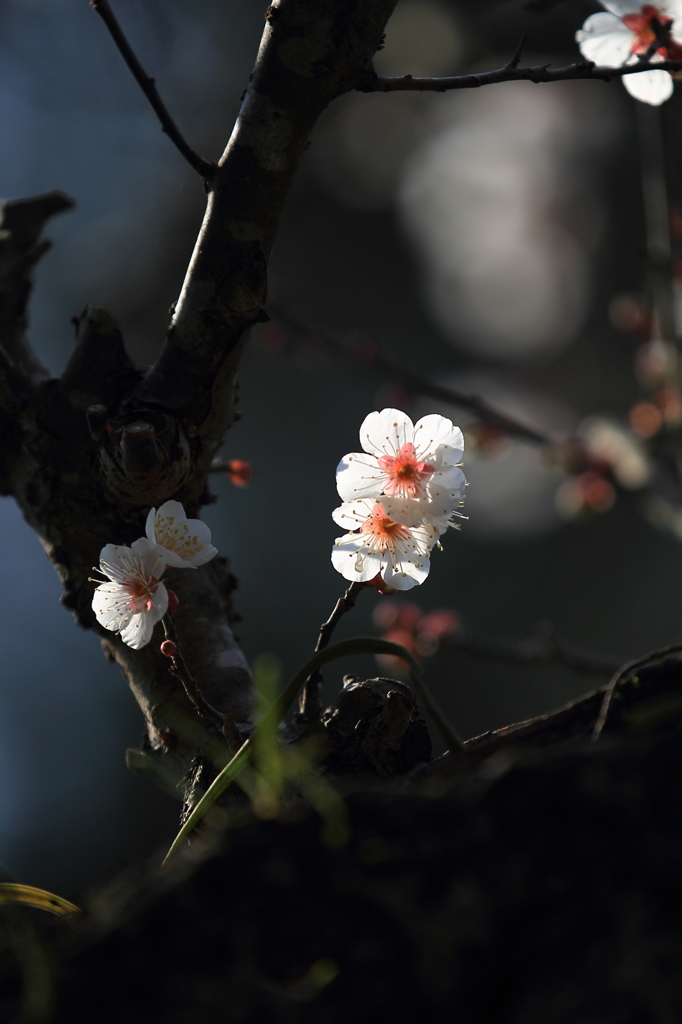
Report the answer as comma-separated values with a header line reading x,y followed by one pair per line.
x,y
173,602
239,472
380,586
169,648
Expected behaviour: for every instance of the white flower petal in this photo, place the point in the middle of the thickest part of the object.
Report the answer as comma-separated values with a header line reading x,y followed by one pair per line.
x,y
434,433
138,632
673,9
151,558
449,479
353,561
408,511
184,543
653,87
111,604
622,7
605,40
159,604
441,505
406,575
385,432
352,514
359,476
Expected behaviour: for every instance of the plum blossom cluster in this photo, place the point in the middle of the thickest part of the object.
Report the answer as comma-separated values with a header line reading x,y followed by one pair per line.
x,y
133,598
629,30
400,494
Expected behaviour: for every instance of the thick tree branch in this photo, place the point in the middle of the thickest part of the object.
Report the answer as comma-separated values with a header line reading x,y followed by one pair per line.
x,y
541,73
203,167
308,56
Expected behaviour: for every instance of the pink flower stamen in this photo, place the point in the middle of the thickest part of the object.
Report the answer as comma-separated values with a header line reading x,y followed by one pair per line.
x,y
405,474
645,26
142,594
384,530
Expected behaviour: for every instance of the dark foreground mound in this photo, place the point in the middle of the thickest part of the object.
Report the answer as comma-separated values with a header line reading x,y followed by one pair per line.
x,y
538,880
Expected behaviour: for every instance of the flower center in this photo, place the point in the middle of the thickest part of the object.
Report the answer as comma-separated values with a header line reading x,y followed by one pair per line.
x,y
141,594
648,26
404,473
384,530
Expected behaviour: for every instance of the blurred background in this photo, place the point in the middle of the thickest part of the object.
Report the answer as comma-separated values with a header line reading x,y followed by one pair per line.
x,y
492,241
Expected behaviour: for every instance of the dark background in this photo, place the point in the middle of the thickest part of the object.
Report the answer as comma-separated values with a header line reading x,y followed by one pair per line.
x,y
480,238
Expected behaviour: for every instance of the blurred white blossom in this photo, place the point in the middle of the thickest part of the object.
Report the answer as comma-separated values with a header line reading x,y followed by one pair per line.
x,y
627,30
499,203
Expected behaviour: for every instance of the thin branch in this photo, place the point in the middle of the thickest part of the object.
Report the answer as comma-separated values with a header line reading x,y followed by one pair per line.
x,y
516,59
310,700
412,381
203,167
541,73
343,605
531,651
625,673
183,673
661,31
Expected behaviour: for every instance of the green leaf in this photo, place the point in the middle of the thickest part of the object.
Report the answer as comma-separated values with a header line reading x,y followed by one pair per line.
x,y
356,645
28,895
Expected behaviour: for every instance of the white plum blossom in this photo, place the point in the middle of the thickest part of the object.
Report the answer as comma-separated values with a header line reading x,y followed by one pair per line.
x,y
389,538
133,599
183,543
627,30
399,495
402,459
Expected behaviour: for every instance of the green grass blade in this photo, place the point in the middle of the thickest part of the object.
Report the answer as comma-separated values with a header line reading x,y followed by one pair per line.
x,y
28,895
345,648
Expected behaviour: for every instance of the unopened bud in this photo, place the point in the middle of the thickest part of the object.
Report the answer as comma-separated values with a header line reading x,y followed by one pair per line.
x,y
173,601
169,648
380,586
239,472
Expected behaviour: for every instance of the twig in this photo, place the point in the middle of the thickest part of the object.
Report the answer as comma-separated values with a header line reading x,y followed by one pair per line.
x,y
533,650
310,700
204,167
195,695
661,32
625,673
412,381
516,59
541,73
